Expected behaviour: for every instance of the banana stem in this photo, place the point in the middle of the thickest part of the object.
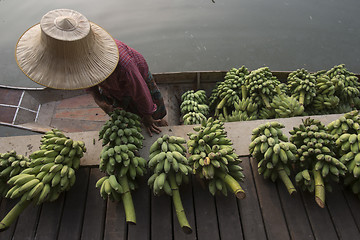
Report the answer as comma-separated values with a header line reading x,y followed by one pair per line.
x,y
232,183
180,212
13,214
319,189
285,179
265,100
127,201
222,102
243,92
302,97
226,115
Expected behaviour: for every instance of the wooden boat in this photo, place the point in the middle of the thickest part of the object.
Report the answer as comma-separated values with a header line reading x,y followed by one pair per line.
x,y
39,109
32,111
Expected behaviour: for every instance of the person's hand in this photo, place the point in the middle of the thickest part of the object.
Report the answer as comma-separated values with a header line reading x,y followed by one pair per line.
x,y
162,123
151,124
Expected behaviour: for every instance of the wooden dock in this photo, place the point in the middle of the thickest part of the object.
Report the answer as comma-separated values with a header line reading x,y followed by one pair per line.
x,y
267,212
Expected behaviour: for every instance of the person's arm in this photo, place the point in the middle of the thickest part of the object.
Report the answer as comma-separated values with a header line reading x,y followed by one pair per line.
x,y
143,100
95,93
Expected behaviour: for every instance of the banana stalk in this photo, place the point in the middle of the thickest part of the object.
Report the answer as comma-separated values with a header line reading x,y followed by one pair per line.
x,y
180,212
243,92
266,101
232,183
127,201
319,189
302,97
13,214
285,179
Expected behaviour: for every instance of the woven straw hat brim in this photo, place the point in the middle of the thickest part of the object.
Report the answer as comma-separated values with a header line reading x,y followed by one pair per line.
x,y
70,64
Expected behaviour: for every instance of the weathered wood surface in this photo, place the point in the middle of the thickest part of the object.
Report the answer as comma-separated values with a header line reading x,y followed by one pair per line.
x,y
267,212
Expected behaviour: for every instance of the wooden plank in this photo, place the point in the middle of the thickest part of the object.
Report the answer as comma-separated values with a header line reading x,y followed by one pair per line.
x,y
273,215
354,204
228,217
320,220
141,199
72,218
5,207
341,214
188,204
295,214
205,212
249,208
27,223
49,220
93,225
115,225
161,217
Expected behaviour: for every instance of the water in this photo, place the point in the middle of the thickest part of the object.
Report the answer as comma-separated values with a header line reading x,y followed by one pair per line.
x,y
200,35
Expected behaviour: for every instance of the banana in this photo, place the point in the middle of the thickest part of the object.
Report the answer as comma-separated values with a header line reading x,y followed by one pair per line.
x,y
30,184
35,191
161,180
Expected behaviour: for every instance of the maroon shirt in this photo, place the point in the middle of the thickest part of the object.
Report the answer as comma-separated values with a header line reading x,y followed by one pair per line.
x,y
128,79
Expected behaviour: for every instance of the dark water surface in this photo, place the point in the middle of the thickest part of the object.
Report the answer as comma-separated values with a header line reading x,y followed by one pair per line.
x,y
199,35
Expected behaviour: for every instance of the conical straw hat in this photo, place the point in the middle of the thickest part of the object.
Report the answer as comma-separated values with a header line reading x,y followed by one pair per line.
x,y
66,51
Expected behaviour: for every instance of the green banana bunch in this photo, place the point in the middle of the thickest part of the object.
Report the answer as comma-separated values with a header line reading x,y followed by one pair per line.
x,y
50,172
348,123
348,86
194,106
119,159
198,96
302,86
11,164
231,90
193,118
274,154
122,159
317,164
167,156
266,113
213,158
122,128
246,109
325,100
285,106
348,145
261,85
189,106
170,168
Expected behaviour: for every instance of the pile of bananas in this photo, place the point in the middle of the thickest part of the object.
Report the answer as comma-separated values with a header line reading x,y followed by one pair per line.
x,y
170,169
346,130
325,99
50,172
231,90
245,110
274,154
302,86
285,106
194,107
213,158
123,128
348,123
348,86
261,85
11,164
317,164
121,140
51,169
168,162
